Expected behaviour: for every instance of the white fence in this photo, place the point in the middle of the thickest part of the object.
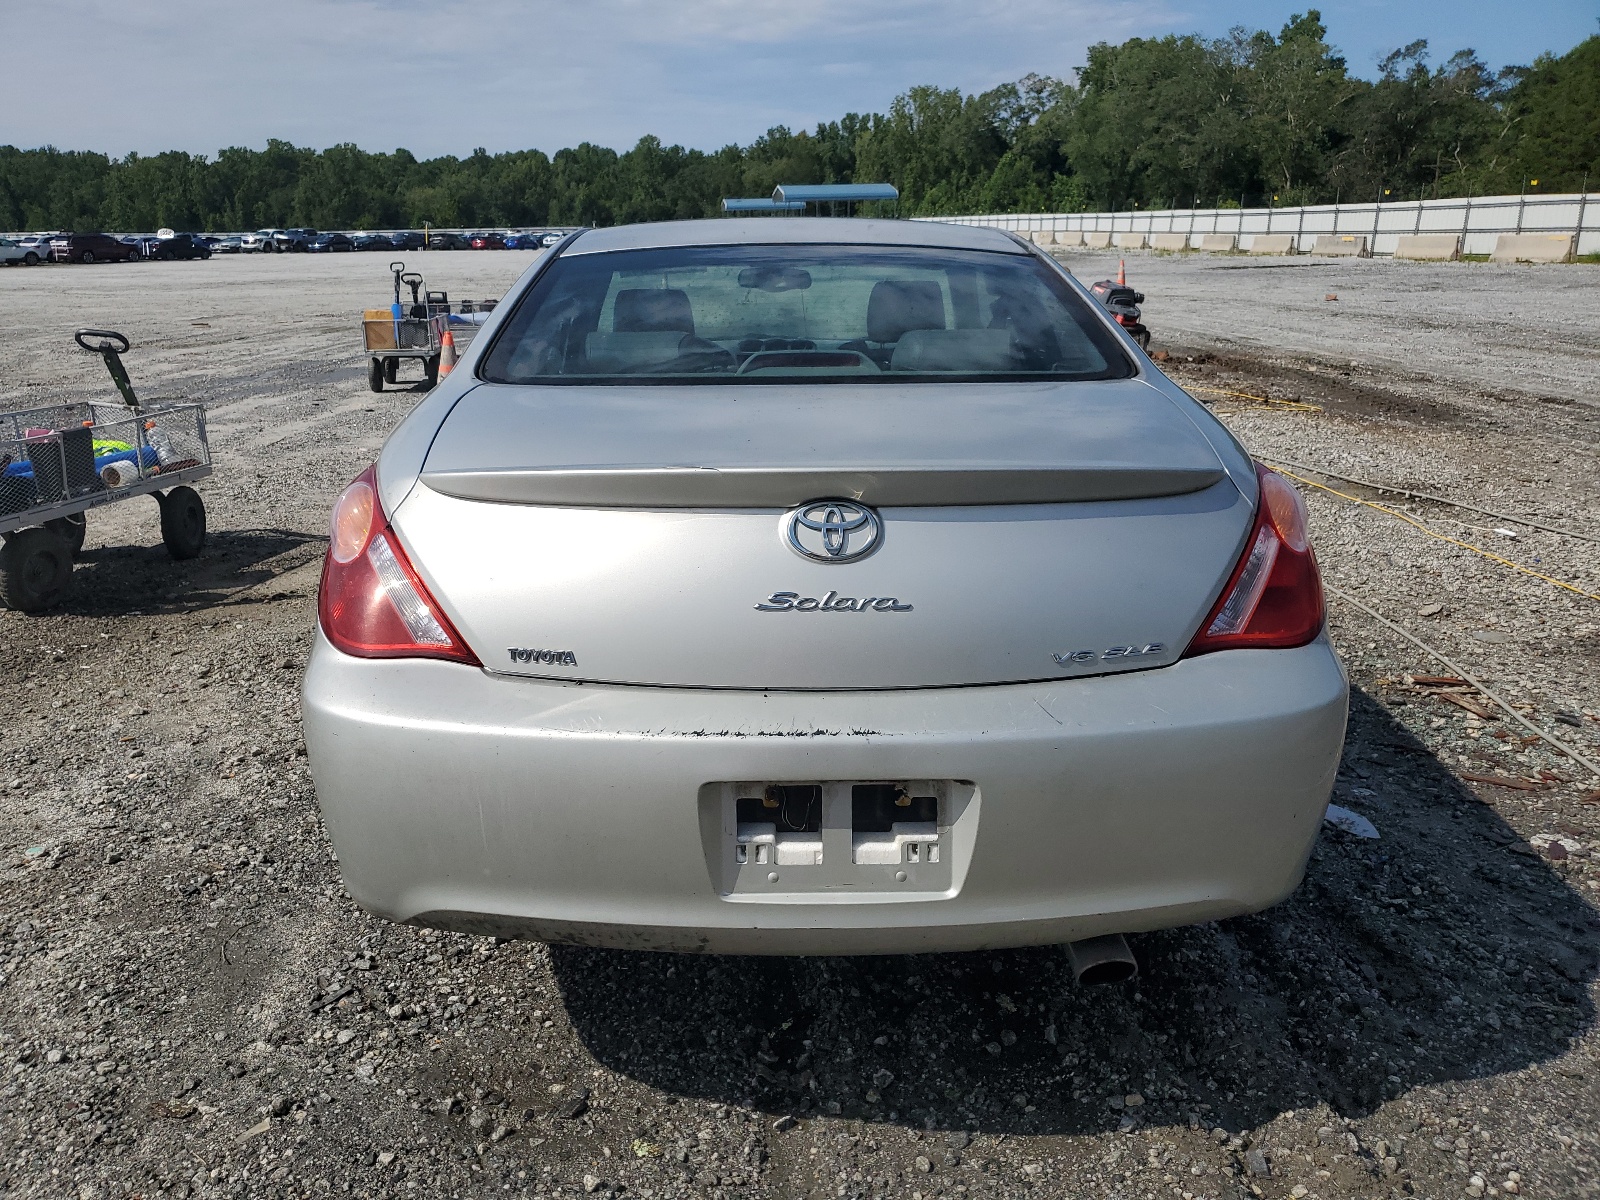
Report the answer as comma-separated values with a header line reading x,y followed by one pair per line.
x,y
1478,222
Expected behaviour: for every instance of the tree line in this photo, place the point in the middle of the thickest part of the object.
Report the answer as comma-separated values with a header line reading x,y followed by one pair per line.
x,y
1247,119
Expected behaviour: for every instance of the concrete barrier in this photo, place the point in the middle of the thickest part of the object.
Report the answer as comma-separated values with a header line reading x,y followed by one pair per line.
x,y
1097,239
1429,247
1042,237
1069,239
1273,243
1533,248
1342,245
1216,243
1170,241
1478,220
1131,241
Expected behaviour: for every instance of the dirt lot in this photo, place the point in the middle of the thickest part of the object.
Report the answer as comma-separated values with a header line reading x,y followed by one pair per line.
x,y
1515,332
190,1006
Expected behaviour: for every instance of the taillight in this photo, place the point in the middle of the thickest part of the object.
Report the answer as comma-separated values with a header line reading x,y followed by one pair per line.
x,y
1273,600
371,602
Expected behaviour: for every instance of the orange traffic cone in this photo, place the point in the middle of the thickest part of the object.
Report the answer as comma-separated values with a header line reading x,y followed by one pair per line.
x,y
1122,274
447,353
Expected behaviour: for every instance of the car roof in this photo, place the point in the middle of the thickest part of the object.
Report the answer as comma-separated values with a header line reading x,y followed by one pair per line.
x,y
756,231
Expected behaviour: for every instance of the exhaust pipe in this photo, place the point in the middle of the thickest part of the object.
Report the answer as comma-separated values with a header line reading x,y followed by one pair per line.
x,y
1102,960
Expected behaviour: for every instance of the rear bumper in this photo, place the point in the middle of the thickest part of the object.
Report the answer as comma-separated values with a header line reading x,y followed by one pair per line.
x,y
570,812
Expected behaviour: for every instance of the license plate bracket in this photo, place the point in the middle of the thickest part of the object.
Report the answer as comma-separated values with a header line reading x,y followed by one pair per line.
x,y
838,839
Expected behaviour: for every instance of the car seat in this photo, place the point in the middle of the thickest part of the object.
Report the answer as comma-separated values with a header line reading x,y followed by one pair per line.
x,y
895,308
653,310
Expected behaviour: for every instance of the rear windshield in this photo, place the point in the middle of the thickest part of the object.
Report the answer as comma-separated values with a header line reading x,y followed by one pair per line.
x,y
752,314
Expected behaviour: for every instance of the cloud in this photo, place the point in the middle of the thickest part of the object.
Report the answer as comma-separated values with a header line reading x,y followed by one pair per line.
x,y
444,76
447,75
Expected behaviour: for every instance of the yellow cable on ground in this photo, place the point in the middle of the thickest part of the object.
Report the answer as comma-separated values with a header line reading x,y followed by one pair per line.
x,y
1412,521
1262,399
1462,673
1461,504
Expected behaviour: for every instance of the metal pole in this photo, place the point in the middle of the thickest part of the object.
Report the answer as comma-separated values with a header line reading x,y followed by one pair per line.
x,y
1583,203
1522,199
1299,228
1466,221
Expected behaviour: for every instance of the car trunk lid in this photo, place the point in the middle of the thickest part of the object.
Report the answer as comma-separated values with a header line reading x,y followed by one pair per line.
x,y
637,535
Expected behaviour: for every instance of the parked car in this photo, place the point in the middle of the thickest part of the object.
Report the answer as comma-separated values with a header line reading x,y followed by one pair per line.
x,y
293,240
550,239
487,241
92,247
39,243
16,254
325,242
143,242
183,246
1031,652
524,241
405,240
372,241
447,241
226,245
260,242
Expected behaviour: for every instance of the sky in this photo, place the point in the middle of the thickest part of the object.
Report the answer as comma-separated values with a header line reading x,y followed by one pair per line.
x,y
445,76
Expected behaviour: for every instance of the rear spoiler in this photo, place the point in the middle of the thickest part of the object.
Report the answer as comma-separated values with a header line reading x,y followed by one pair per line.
x,y
783,487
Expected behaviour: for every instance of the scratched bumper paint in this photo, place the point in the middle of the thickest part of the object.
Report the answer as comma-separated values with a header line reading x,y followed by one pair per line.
x,y
570,812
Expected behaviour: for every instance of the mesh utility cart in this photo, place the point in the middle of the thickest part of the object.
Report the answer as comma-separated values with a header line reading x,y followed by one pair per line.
x,y
411,328
58,462
416,327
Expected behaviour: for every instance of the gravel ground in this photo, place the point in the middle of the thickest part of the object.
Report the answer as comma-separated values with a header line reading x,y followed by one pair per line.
x,y
1519,332
189,1005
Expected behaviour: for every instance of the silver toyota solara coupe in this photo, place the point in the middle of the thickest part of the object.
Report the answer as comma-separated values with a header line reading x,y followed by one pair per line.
x,y
817,587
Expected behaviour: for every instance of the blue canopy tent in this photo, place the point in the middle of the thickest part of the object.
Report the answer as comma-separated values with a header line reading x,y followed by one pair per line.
x,y
761,205
835,194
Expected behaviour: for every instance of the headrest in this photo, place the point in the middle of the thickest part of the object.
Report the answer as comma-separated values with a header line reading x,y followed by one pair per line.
x,y
954,350
653,310
899,305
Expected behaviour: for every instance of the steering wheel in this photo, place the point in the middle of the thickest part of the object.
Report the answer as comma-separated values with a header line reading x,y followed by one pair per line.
x,y
108,336
698,354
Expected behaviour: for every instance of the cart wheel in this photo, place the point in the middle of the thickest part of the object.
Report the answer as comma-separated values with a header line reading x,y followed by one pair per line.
x,y
375,374
391,370
183,522
431,366
71,530
35,568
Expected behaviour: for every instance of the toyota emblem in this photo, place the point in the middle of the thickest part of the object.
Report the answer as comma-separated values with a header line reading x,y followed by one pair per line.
x,y
833,531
